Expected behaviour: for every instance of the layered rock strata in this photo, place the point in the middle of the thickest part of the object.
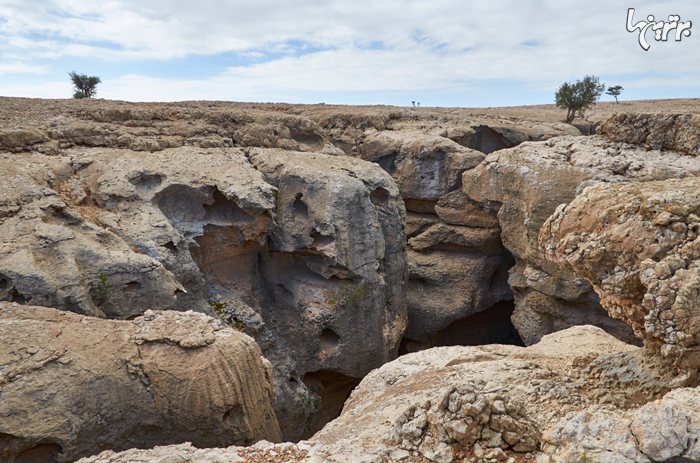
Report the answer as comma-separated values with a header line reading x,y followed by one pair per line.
x,y
677,132
72,385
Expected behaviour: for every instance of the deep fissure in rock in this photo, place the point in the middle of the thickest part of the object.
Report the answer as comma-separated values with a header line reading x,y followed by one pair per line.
x,y
492,326
333,389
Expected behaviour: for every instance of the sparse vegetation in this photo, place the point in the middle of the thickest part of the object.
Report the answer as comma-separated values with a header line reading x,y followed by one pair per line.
x,y
579,96
615,91
352,294
222,311
102,288
85,87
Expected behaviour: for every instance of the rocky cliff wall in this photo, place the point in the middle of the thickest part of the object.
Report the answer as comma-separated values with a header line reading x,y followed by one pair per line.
x,y
329,234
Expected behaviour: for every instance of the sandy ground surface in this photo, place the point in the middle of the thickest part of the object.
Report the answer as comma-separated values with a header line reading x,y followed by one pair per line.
x,y
15,111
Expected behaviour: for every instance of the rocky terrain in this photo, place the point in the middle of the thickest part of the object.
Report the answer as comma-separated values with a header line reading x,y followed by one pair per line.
x,y
338,238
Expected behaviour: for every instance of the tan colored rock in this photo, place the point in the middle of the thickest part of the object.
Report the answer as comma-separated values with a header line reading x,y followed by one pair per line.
x,y
424,167
415,400
525,185
72,386
670,131
14,138
455,209
483,240
638,245
113,233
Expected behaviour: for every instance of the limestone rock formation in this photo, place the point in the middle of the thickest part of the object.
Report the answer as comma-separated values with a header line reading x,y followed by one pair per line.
x,y
664,430
524,185
670,131
638,244
440,402
72,385
304,251
457,266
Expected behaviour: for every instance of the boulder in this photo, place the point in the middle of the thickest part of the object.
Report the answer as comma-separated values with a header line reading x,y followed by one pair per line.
x,y
425,167
440,402
72,385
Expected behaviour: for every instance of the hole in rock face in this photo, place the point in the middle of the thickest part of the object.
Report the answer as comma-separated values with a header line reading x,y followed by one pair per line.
x,y
226,212
379,197
15,296
321,240
334,389
132,286
300,210
328,339
42,453
388,164
232,414
492,326
147,181
170,246
4,284
488,140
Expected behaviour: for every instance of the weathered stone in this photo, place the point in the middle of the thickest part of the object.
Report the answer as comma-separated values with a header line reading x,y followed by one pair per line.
x,y
621,239
678,132
525,185
72,386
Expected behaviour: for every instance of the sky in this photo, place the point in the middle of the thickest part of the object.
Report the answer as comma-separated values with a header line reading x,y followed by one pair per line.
x,y
448,53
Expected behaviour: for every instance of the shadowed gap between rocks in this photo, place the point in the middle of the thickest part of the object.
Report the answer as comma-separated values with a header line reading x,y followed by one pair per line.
x,y
487,140
333,388
46,452
492,326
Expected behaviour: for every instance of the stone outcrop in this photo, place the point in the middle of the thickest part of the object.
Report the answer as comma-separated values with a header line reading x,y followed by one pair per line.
x,y
442,401
110,209
664,430
457,266
638,244
677,132
303,251
523,186
72,385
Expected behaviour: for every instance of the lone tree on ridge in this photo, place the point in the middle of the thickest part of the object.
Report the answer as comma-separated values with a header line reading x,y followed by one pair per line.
x,y
85,87
578,96
615,91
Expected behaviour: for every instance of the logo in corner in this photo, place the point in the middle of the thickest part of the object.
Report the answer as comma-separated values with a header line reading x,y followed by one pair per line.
x,y
661,28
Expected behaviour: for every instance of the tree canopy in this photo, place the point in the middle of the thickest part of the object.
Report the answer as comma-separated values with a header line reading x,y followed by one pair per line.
x,y
615,91
85,87
579,96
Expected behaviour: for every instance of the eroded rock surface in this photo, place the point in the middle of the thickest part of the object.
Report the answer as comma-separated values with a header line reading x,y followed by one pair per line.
x,y
440,402
523,186
678,132
638,244
72,386
457,265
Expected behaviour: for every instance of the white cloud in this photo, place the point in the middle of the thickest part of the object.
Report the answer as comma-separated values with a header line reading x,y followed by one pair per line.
x,y
438,45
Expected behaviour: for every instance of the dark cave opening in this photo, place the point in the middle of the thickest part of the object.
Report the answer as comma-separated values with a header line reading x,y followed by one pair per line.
x,y
492,326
